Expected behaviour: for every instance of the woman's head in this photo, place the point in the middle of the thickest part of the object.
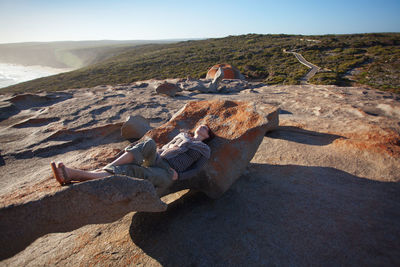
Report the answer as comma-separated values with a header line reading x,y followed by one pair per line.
x,y
203,133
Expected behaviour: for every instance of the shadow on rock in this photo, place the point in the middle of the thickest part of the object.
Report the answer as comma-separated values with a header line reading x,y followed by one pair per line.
x,y
2,162
298,135
185,97
278,215
285,112
7,110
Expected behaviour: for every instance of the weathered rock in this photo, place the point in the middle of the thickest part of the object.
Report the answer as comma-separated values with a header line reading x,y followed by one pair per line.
x,y
93,202
216,85
230,86
194,85
229,71
135,127
219,75
140,85
340,140
26,101
166,88
239,128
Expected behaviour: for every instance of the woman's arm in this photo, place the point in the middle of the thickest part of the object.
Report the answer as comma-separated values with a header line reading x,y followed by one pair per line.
x,y
164,147
193,170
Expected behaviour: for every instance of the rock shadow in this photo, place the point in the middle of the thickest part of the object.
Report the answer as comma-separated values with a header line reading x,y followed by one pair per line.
x,y
285,112
2,161
258,85
184,97
299,135
278,215
35,122
7,110
280,93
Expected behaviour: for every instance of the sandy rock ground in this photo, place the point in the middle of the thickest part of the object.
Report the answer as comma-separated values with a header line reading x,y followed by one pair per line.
x,y
322,188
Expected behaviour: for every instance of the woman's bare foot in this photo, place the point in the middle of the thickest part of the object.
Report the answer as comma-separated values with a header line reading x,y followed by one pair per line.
x,y
60,173
65,175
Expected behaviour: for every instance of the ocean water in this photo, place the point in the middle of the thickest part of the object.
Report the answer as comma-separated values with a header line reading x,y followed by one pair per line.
x,y
12,73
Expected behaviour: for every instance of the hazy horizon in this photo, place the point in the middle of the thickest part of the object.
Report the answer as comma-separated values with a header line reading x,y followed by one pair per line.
x,y
187,39
109,40
55,21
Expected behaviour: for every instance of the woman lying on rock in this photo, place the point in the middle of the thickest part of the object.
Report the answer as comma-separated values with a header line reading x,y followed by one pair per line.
x,y
182,158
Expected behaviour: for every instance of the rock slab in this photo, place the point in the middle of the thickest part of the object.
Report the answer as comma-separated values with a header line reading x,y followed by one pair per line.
x,y
93,202
239,128
332,165
194,85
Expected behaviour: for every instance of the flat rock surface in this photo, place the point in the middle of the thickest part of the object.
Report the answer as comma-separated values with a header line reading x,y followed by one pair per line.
x,y
323,187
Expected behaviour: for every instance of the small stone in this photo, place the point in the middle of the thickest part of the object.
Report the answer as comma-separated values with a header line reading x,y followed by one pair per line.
x,y
135,127
166,88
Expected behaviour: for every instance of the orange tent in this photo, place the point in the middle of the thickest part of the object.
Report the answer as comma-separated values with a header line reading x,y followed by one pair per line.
x,y
230,72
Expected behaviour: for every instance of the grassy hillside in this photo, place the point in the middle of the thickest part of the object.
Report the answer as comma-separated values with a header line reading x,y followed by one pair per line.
x,y
258,57
68,54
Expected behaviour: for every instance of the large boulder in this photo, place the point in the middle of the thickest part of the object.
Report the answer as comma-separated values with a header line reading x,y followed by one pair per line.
x,y
135,127
239,128
93,202
219,75
229,72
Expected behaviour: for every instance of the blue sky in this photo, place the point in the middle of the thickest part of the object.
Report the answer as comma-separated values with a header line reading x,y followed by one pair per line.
x,y
56,20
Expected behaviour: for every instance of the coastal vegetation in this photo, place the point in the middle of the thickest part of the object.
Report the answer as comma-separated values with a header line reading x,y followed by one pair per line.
x,y
66,54
369,59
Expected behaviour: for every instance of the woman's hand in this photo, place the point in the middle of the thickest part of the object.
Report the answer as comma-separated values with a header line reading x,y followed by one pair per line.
x,y
175,177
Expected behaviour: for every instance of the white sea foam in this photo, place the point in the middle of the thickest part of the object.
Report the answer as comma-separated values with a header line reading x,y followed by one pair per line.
x,y
12,73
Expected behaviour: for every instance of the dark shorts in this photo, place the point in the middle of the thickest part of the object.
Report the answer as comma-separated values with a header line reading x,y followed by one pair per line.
x,y
146,165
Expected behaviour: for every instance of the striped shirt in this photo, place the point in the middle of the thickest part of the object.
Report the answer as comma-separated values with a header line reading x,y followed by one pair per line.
x,y
187,164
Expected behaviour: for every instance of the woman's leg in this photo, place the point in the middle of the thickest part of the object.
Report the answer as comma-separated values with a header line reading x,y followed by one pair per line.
x,y
145,150
71,174
160,177
123,159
